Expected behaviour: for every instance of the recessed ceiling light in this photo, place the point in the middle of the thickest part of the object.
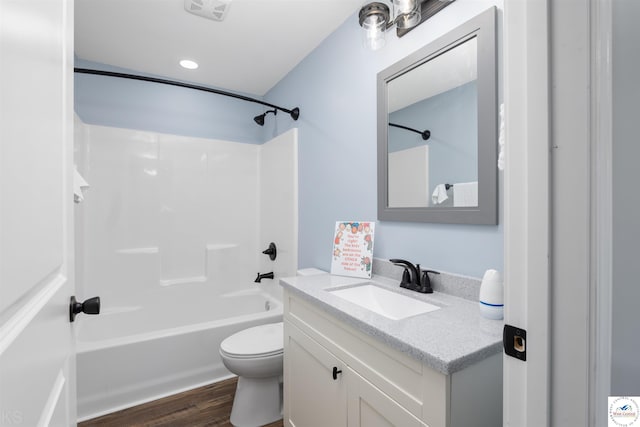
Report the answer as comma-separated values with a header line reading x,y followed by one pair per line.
x,y
188,64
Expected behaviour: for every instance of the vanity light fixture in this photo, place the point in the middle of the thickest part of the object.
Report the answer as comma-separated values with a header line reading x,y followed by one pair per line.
x,y
375,20
406,13
377,17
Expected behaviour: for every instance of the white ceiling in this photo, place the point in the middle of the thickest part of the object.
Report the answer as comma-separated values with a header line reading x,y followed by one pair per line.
x,y
256,45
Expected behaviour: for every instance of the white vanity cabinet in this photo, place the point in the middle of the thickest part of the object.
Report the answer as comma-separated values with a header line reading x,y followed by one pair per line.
x,y
368,406
335,375
313,397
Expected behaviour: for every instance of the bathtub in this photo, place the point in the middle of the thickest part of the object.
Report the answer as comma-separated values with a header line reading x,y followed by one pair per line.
x,y
152,346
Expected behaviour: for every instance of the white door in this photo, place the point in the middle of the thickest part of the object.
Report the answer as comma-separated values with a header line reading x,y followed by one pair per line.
x,y
556,106
526,388
37,362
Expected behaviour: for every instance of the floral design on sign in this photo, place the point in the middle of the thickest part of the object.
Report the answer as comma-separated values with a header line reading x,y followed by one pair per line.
x,y
353,248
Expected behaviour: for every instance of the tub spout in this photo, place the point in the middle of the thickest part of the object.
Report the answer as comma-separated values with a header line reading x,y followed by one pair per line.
x,y
263,276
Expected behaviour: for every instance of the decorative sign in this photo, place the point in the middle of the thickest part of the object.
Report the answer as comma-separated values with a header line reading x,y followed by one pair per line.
x,y
353,248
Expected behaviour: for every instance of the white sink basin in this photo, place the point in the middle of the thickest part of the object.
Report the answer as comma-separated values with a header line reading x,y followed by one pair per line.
x,y
386,303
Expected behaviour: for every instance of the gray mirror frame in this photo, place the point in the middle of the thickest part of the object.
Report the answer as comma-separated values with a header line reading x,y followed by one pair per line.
x,y
483,27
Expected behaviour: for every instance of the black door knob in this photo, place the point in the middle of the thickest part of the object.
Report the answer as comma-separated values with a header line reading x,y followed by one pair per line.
x,y
335,372
90,306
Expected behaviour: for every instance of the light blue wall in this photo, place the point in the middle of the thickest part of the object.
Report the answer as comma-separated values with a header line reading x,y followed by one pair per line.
x,y
132,104
452,118
335,88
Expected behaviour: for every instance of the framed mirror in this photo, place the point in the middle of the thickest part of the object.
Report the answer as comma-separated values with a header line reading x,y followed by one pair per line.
x,y
437,130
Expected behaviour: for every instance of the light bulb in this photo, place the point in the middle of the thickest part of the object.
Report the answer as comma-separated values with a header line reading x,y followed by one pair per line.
x,y
406,13
374,31
403,6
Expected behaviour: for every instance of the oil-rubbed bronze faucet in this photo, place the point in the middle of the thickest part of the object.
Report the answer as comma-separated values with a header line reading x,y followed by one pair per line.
x,y
413,277
263,276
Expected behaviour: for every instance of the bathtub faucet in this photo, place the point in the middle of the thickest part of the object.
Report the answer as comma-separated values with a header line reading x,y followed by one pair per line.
x,y
263,276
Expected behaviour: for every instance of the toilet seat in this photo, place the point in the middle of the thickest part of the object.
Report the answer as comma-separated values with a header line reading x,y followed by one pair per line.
x,y
257,342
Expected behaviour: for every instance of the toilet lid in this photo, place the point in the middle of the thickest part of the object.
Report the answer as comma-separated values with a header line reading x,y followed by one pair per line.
x,y
261,340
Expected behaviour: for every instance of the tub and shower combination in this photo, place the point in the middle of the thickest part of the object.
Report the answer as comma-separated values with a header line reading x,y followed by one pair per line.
x,y
172,250
162,345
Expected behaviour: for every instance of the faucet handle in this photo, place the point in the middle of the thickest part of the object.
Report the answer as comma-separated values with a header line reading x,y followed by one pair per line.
x,y
425,282
271,251
430,271
414,273
400,262
406,279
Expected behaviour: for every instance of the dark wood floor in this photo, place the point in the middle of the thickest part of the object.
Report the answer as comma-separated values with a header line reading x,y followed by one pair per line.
x,y
205,406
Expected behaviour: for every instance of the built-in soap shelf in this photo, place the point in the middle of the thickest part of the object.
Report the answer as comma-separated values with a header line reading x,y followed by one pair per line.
x,y
221,246
209,266
183,280
139,251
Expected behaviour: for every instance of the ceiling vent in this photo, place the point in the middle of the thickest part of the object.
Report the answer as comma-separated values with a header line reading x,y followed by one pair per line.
x,y
210,9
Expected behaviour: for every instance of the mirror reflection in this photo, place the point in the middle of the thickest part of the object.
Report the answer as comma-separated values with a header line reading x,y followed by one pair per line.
x,y
437,129
432,147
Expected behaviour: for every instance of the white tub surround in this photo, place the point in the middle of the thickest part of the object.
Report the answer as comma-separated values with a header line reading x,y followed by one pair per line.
x,y
168,210
279,208
170,237
162,211
347,365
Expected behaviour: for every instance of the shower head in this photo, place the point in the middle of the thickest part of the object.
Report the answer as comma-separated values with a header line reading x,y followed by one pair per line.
x,y
295,114
260,119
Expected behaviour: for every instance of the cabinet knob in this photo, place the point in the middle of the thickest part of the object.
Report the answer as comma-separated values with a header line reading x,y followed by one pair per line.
x,y
335,372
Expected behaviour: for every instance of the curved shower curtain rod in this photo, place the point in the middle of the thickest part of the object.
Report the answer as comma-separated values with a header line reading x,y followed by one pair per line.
x,y
426,134
294,113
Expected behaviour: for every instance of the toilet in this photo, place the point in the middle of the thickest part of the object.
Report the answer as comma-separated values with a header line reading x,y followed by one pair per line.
x,y
255,356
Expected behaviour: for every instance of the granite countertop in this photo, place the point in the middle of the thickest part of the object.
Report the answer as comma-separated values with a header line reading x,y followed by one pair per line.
x,y
447,340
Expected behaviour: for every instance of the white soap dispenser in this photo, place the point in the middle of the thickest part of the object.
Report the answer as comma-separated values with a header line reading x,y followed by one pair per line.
x,y
492,295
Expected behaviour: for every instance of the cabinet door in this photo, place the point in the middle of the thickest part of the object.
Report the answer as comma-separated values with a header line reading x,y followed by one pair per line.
x,y
312,397
370,407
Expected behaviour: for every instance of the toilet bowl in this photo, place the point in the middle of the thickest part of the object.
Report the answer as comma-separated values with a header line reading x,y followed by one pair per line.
x,y
255,356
